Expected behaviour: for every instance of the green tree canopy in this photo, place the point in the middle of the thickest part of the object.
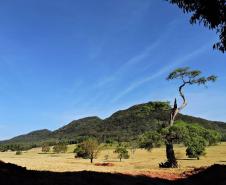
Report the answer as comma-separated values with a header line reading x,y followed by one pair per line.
x,y
150,140
88,149
60,148
122,152
193,136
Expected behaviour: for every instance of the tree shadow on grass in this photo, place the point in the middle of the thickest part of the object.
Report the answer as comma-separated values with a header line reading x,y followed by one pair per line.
x,y
187,159
11,174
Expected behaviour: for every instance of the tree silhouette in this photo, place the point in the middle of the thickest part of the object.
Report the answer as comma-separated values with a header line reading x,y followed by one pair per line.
x,y
187,77
212,13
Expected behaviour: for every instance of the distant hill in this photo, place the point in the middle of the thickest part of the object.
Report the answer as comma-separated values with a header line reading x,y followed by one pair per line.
x,y
123,125
33,136
88,126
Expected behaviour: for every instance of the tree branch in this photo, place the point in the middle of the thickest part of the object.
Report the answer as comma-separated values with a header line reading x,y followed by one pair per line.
x,y
176,110
182,96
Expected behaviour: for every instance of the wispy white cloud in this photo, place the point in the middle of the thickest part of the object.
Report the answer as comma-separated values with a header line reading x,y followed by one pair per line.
x,y
144,54
162,71
137,59
131,62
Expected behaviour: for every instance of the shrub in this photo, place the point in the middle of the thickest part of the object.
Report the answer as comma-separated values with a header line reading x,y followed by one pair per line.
x,y
106,157
150,139
196,147
88,149
18,153
122,152
60,148
80,152
213,137
45,148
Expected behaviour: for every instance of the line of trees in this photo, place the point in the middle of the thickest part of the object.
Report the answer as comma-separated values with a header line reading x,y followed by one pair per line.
x,y
90,148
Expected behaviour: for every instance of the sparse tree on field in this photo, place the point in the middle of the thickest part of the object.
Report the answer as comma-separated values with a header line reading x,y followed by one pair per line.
x,y
150,139
45,148
186,77
133,145
91,147
122,152
60,148
18,152
106,157
196,147
80,152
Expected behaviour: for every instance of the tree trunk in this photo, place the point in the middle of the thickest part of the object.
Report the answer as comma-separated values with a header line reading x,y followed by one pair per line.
x,y
91,160
171,159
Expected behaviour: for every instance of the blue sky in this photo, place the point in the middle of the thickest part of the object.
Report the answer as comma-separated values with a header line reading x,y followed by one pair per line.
x,y
64,60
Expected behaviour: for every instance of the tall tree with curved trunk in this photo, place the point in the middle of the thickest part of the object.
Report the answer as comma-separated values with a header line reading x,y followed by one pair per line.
x,y
186,77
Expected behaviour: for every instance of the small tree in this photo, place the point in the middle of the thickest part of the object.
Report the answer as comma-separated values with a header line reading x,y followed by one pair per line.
x,y
88,149
196,147
106,157
186,77
60,148
213,137
45,148
122,152
18,152
133,145
150,140
80,151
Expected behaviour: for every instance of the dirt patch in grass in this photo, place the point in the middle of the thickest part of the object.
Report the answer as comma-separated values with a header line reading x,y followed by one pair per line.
x,y
104,164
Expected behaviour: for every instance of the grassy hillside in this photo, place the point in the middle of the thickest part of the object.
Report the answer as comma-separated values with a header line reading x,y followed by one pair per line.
x,y
123,125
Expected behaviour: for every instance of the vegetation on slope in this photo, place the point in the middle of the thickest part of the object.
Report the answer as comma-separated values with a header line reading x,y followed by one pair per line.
x,y
123,125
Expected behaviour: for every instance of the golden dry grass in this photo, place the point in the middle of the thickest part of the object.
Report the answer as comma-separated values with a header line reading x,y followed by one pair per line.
x,y
142,161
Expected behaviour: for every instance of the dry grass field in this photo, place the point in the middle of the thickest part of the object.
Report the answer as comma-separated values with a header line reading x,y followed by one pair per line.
x,y
143,161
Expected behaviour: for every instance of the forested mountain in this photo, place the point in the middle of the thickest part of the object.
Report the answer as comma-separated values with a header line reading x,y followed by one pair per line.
x,y
123,125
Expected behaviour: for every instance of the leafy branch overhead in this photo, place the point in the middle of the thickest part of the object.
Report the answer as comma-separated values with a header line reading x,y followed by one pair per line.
x,y
212,13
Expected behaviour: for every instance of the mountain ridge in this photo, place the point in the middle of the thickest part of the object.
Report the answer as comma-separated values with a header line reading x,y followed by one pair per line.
x,y
122,125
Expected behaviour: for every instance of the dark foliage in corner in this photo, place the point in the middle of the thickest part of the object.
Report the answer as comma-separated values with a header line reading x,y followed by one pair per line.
x,y
212,13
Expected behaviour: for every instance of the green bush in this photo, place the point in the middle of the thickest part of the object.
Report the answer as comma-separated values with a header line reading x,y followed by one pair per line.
x,y
45,148
212,136
80,152
18,153
150,139
122,152
60,148
88,149
196,147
